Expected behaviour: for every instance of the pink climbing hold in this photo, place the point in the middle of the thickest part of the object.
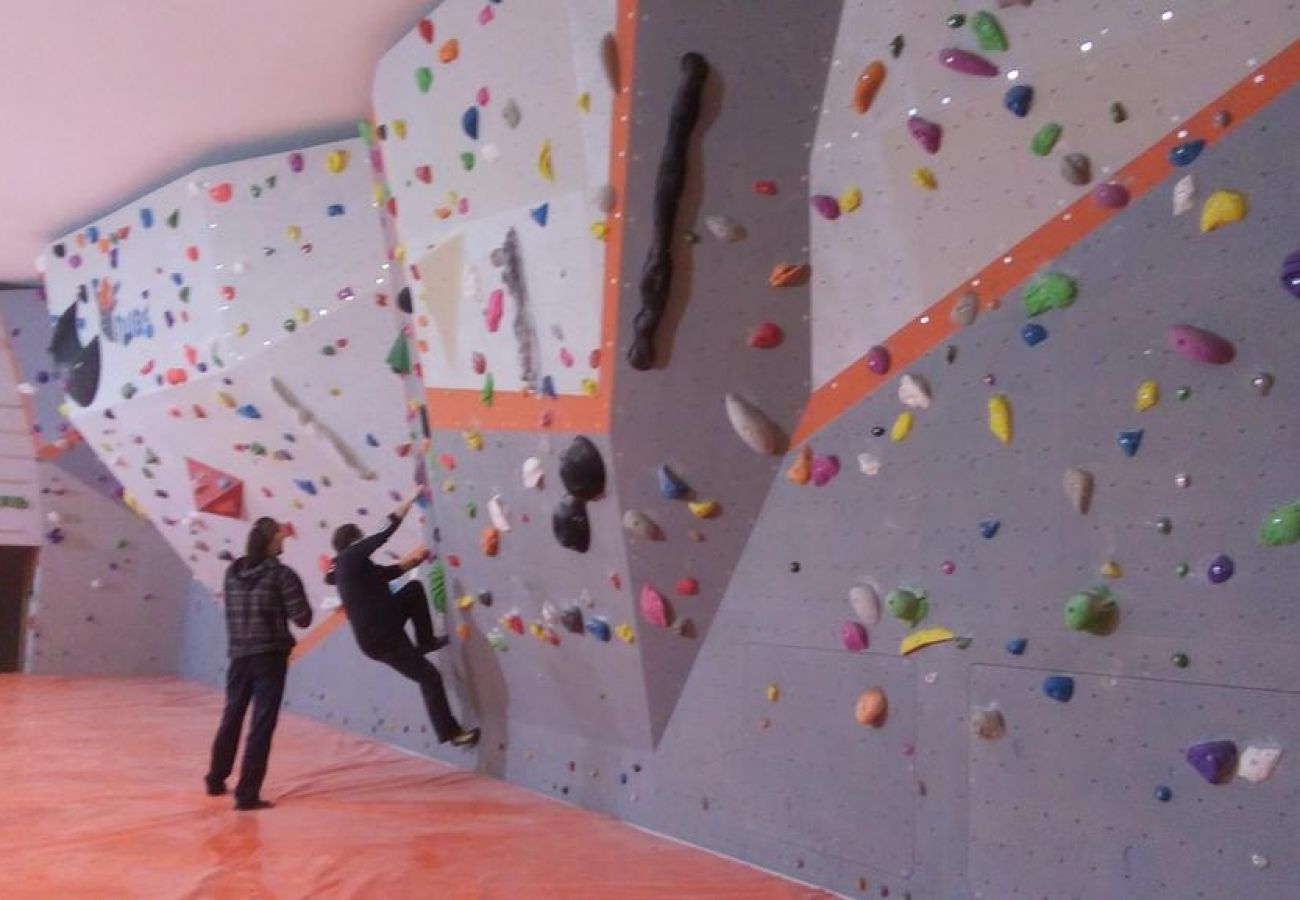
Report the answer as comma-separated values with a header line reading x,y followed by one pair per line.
x,y
295,162
485,15
1200,345
483,96
478,362
654,607
926,133
824,468
688,586
878,360
854,636
566,358
826,206
766,188
1110,195
496,308
967,63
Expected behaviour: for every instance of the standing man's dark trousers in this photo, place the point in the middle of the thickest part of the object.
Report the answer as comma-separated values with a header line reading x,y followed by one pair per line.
x,y
259,679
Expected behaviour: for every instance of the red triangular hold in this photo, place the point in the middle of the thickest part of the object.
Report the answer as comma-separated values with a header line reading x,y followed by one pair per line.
x,y
215,491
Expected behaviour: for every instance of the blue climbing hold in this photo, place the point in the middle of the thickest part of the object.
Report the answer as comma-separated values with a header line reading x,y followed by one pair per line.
x,y
671,485
599,629
178,279
1185,153
305,485
1059,687
371,440
146,217
541,213
1016,646
335,209
92,234
1129,441
548,386
1163,793
249,411
1018,100
1033,334
989,527
469,122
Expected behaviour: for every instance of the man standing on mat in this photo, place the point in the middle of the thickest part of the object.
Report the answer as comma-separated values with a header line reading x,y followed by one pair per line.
x,y
379,617
262,595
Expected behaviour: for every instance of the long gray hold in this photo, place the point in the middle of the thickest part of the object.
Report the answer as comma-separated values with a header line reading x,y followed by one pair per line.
x,y
525,330
657,272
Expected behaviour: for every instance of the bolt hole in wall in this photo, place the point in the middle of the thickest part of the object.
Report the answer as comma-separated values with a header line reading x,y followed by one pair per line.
x,y
17,566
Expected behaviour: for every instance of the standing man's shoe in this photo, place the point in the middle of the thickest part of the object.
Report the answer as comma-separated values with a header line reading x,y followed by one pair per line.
x,y
253,805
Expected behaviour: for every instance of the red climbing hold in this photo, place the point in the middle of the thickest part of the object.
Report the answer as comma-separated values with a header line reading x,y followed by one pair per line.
x,y
426,30
766,188
688,586
214,491
221,193
766,335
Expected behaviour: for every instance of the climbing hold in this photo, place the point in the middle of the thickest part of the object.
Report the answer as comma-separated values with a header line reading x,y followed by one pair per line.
x,y
965,309
1148,395
540,214
306,486
1290,275
789,274
868,85
956,20
703,509
865,602
609,60
1111,569
926,133
868,464
1163,793
511,114
924,637
1000,417
1129,441
1059,687
1110,195
896,46
220,193
1185,154
544,167
533,473
1091,610
570,525
449,51
1033,334
336,161
826,206
249,411
1051,290
1045,139
871,708
654,607
473,439
1281,526
1180,660
967,63
1222,208
498,514
599,629
988,31
489,541
989,528
914,392
824,468
902,426
1016,646
853,636
1220,569
725,228
800,471
1078,488
1118,113
924,178
765,187
1018,100
642,525
753,427
671,486
909,605
469,123
987,723
1184,195
1200,345
1258,763
878,359
1076,168
425,27
1216,761
766,335
850,199
687,586
582,470
1263,382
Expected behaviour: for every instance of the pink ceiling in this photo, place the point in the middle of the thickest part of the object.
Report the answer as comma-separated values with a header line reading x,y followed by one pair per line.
x,y
102,101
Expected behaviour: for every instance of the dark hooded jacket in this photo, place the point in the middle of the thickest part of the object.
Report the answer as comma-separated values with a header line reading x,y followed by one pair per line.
x,y
261,599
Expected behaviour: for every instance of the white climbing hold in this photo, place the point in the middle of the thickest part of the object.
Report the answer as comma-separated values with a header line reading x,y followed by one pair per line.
x,y
1078,487
913,391
869,464
753,427
497,513
1258,763
865,600
533,473
490,152
725,228
1185,195
642,525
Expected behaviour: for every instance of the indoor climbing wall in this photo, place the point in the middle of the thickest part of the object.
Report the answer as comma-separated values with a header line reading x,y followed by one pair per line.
x,y
19,513
268,385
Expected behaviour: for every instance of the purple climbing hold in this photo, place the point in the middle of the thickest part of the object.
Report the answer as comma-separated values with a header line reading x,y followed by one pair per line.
x,y
926,133
878,359
1215,760
1220,569
854,636
967,63
1200,345
1291,274
1110,195
826,206
1185,153
1018,100
824,468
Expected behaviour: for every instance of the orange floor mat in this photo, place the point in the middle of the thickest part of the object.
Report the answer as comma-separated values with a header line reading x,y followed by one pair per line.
x,y
103,797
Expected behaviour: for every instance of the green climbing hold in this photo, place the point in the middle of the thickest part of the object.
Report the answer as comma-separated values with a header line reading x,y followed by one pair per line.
x,y
1051,290
424,79
1091,610
467,161
1045,138
438,587
1281,526
399,357
174,220
910,606
489,390
471,510
365,132
988,31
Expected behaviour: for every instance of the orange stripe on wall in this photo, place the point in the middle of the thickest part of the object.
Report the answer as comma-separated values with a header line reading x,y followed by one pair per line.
x,y
521,411
1140,176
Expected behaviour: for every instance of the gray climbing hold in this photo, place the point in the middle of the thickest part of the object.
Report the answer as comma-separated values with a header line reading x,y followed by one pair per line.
x,y
753,427
965,309
1078,488
1076,168
510,112
642,525
725,228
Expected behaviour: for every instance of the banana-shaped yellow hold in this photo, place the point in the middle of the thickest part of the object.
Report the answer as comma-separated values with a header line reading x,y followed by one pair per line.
x,y
902,426
1000,417
544,162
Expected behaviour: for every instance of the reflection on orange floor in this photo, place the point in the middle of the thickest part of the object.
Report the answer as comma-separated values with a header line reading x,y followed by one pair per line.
x,y
102,784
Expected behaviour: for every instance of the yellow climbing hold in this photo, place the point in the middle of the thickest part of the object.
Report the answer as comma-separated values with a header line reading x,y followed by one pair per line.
x,y
336,160
226,400
584,101
464,601
1111,569
302,313
600,230
625,633
378,193
1000,417
924,637
537,631
588,386
703,509
449,486
1222,208
923,177
773,691
399,252
850,200
902,426
399,128
241,329
294,232
544,162
1148,395
473,439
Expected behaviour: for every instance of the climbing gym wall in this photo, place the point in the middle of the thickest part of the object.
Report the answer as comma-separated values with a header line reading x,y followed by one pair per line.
x,y
19,515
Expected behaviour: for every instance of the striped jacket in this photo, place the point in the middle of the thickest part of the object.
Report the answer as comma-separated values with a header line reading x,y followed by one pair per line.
x,y
261,599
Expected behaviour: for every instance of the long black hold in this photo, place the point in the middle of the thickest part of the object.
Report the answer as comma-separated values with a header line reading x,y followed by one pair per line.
x,y
657,273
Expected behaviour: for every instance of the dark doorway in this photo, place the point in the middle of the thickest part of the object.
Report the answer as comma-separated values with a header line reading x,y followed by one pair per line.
x,y
17,566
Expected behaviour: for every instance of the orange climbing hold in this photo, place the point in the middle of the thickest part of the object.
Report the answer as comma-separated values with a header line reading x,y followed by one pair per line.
x,y
490,541
800,470
449,51
867,85
789,274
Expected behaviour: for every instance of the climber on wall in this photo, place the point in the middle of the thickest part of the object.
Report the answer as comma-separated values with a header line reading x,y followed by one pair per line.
x,y
379,617
262,595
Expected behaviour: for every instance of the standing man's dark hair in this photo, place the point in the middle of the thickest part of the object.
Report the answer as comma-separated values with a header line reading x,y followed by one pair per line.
x,y
262,596
378,617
